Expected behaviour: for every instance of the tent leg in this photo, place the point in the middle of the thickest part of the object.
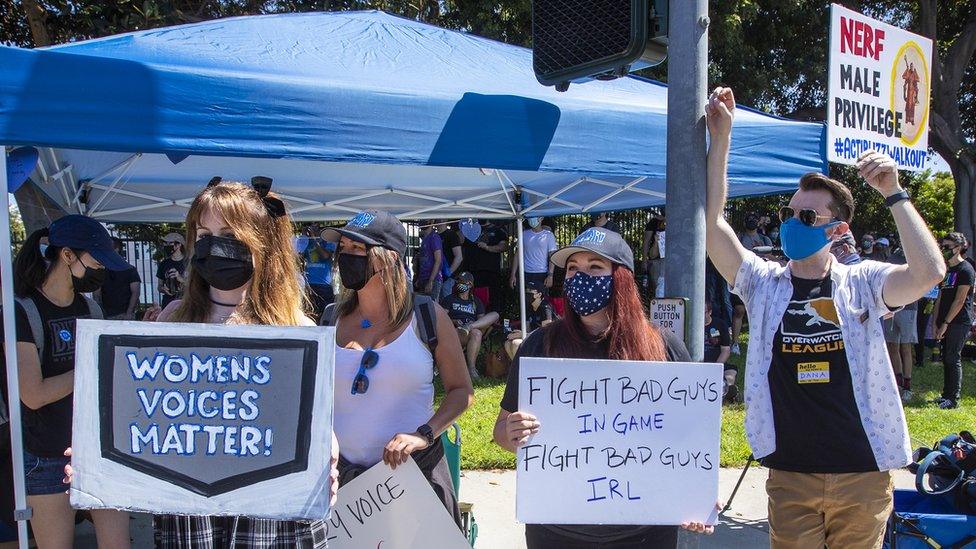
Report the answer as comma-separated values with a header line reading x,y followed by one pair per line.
x,y
22,513
521,261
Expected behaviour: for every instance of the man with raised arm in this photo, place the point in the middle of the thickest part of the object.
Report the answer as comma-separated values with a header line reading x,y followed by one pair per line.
x,y
822,407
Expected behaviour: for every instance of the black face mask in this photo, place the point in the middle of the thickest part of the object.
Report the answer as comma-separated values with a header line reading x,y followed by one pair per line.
x,y
354,271
168,250
89,282
224,263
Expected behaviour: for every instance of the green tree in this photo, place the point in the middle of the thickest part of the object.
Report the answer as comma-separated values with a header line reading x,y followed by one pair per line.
x,y
935,196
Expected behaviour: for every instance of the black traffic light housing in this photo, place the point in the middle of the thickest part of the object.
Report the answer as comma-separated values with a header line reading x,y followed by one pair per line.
x,y
582,40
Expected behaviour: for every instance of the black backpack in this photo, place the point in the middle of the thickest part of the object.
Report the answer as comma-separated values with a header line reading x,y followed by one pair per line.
x,y
423,309
949,469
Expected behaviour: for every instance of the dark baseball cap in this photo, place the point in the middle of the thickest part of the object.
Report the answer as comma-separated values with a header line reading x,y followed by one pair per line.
x,y
80,232
600,241
373,228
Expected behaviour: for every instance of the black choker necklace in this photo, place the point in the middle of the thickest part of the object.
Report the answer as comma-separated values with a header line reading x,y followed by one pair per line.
x,y
215,302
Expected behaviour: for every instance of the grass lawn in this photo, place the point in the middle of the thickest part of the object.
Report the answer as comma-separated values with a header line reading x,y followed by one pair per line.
x,y
926,423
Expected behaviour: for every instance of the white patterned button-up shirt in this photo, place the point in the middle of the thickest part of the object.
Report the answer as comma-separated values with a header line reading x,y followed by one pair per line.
x,y
766,288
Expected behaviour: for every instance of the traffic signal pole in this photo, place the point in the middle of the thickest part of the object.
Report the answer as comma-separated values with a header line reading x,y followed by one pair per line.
x,y
684,263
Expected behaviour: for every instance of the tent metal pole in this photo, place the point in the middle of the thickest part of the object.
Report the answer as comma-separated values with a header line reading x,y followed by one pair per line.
x,y
22,513
521,261
684,263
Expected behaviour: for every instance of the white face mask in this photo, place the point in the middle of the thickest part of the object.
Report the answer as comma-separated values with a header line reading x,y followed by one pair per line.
x,y
43,248
534,222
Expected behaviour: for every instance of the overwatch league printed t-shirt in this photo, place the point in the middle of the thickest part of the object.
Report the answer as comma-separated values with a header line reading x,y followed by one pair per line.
x,y
818,427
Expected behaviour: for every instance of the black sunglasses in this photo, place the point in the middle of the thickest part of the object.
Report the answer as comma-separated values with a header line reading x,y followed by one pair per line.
x,y
807,216
360,384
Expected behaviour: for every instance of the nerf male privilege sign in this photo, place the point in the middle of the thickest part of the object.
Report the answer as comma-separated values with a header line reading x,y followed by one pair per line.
x,y
203,419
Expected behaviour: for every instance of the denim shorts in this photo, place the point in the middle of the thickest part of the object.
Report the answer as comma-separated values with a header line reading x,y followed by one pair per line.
x,y
45,474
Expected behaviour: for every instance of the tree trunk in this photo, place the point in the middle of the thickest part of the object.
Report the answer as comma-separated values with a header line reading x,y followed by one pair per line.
x,y
964,173
35,18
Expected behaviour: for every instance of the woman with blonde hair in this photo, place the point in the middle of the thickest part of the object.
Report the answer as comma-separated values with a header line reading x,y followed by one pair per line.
x,y
242,270
388,344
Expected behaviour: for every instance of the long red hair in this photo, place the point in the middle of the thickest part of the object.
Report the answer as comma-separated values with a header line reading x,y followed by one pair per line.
x,y
630,335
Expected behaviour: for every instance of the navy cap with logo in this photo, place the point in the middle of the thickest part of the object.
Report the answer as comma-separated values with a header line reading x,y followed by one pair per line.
x,y
373,228
602,242
80,232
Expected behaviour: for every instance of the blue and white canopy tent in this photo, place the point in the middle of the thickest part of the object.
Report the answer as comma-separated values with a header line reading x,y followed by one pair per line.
x,y
346,111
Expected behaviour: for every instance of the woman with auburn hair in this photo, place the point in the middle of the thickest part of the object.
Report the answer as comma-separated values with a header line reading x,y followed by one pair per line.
x,y
242,270
388,344
605,320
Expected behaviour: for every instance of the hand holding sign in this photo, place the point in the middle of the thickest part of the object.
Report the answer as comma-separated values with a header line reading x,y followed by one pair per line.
x,y
880,171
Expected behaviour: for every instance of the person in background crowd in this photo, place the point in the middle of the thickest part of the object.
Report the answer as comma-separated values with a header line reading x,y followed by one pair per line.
x,y
169,274
317,257
750,238
823,412
925,307
49,286
119,295
468,315
388,415
717,293
451,241
882,250
243,271
539,243
604,320
538,313
483,259
953,316
901,334
773,235
867,246
430,256
718,349
602,220
653,256
845,249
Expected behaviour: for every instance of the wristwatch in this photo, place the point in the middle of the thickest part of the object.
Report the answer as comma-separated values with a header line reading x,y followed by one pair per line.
x,y
426,432
896,198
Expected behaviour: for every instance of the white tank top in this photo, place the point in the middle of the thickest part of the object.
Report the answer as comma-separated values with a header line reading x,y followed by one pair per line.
x,y
400,397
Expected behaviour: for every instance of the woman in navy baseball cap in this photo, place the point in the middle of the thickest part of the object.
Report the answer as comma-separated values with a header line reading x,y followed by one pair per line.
x,y
50,285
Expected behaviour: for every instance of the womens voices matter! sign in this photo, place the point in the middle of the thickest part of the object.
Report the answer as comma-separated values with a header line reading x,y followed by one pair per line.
x,y
620,442
203,419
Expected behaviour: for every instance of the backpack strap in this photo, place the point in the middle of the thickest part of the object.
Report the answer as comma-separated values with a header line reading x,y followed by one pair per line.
x,y
94,309
423,308
328,317
35,323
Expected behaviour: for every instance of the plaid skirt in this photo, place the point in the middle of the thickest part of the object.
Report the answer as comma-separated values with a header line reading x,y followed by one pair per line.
x,y
189,532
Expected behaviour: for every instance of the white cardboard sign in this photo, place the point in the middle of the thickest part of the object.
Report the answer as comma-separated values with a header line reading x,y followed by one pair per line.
x,y
668,313
391,509
620,442
879,82
203,419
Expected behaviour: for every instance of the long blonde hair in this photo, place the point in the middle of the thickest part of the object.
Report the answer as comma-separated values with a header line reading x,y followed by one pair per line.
x,y
274,296
399,297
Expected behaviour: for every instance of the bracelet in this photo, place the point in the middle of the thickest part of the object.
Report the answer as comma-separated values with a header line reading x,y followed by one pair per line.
x,y
896,198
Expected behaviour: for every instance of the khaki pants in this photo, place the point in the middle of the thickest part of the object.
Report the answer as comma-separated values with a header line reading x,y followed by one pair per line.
x,y
837,510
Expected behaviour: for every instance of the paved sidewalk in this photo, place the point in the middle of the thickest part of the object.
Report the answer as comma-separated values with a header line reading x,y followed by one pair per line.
x,y
744,525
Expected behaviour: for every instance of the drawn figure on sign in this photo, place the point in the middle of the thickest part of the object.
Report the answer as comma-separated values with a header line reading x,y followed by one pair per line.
x,y
910,90
49,283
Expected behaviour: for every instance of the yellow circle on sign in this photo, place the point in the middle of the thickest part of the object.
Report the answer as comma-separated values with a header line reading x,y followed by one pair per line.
x,y
910,98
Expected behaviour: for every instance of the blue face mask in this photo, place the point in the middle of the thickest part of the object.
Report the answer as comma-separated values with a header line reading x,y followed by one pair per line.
x,y
800,241
588,294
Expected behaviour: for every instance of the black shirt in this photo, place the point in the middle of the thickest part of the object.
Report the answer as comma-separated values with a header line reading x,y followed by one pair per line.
x,y
960,275
817,423
47,430
449,240
116,291
476,259
534,346
173,286
535,317
465,311
717,335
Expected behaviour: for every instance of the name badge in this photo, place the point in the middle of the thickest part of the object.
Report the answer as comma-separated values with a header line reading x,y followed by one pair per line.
x,y
813,372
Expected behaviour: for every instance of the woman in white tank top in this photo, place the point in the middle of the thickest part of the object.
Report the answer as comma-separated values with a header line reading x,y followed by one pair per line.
x,y
383,372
